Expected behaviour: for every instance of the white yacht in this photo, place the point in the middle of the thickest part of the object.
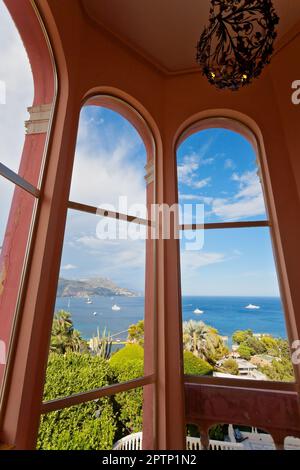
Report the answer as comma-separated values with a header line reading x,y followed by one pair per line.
x,y
197,311
116,308
252,307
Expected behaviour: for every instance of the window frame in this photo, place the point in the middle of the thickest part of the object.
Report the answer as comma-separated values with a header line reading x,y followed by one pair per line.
x,y
145,133
235,124
21,183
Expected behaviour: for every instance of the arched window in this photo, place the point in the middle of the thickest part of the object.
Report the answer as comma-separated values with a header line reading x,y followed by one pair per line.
x,y
27,93
233,319
97,338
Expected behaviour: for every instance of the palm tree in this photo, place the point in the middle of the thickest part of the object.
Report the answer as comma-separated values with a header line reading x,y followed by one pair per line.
x,y
76,343
64,338
203,341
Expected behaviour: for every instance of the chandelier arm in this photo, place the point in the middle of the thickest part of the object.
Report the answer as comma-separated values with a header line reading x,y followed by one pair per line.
x,y
238,42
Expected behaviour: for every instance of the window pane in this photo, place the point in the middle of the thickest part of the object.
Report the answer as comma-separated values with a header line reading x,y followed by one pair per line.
x,y
6,195
109,163
16,91
100,296
16,212
104,424
231,285
217,168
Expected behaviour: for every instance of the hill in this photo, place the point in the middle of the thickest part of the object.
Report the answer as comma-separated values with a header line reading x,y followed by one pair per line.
x,y
91,287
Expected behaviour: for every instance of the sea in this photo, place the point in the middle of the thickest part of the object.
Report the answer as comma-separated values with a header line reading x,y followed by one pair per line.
x,y
226,314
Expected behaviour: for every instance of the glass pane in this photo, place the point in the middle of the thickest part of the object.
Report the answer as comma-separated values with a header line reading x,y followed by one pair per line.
x,y
109,163
6,195
16,91
231,285
16,212
113,422
100,296
217,168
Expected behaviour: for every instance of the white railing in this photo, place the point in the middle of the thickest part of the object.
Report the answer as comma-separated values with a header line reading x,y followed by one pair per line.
x,y
193,443
134,442
131,442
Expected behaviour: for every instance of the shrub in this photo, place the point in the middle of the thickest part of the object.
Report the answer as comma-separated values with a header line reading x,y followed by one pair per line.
x,y
87,426
128,353
231,367
128,364
195,366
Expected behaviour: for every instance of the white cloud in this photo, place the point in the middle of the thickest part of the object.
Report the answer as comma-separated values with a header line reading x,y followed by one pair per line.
x,y
202,183
248,202
192,260
229,164
191,163
102,173
189,197
188,172
15,72
68,267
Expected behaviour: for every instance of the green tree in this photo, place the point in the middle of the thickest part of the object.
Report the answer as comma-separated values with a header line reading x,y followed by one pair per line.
x,y
271,345
279,370
239,336
245,352
136,333
203,341
255,344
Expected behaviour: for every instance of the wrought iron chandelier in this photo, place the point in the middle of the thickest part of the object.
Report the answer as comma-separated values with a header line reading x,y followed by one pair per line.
x,y
238,42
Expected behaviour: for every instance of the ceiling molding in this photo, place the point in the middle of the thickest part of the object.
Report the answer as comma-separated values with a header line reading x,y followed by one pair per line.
x,y
138,51
159,67
124,42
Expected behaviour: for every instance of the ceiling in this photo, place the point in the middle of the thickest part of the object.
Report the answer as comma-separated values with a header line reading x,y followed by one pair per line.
x,y
166,31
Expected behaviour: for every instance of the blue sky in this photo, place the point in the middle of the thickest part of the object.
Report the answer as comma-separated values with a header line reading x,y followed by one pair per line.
x,y
215,167
218,168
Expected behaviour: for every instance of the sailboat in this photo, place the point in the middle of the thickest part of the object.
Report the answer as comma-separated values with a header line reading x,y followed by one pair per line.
x,y
69,302
88,301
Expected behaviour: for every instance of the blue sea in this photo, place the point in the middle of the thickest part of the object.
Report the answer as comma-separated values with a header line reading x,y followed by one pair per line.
x,y
226,314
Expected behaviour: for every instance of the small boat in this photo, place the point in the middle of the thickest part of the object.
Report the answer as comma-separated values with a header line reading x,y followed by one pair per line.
x,y
94,313
116,308
88,301
197,311
252,307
